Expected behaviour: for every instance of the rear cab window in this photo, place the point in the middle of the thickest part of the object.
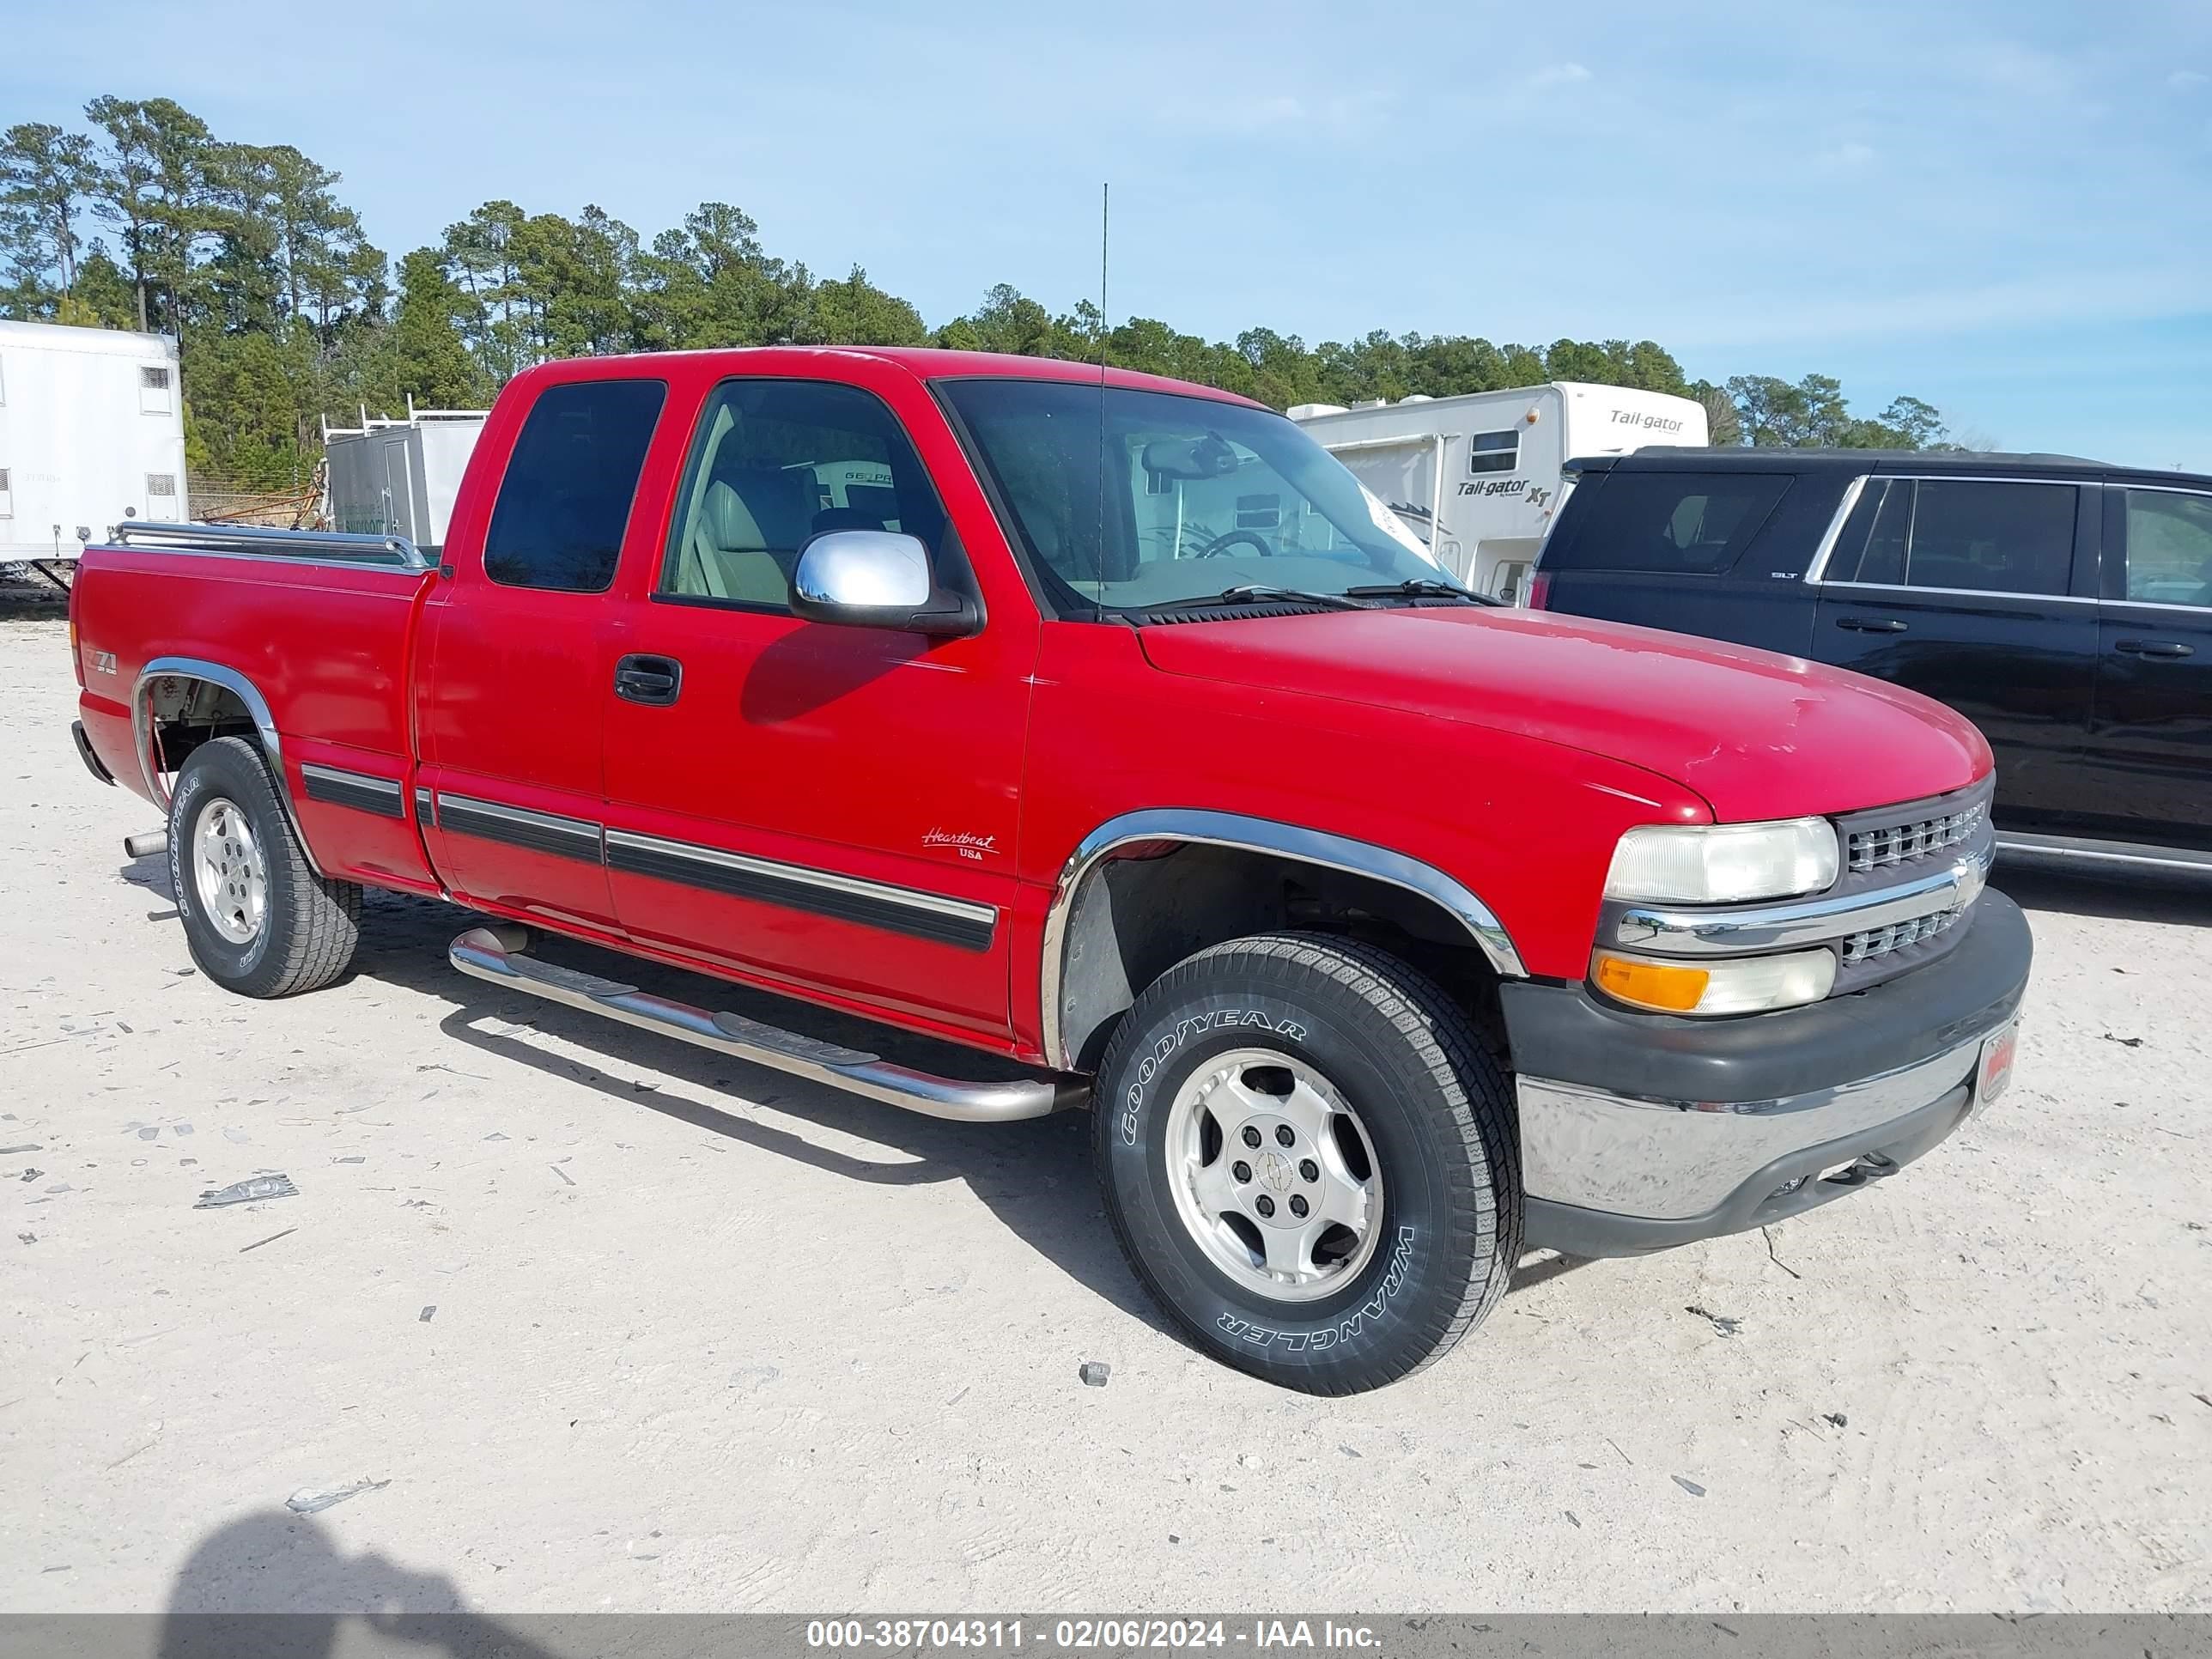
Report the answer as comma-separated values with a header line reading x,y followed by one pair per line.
x,y
564,502
1667,523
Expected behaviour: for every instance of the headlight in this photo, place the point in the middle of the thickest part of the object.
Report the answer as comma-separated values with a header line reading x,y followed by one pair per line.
x,y
1724,863
1738,985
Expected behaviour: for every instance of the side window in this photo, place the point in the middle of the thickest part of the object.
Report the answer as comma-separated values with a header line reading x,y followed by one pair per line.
x,y
777,462
1494,452
564,503
2169,548
1677,522
1870,548
1991,537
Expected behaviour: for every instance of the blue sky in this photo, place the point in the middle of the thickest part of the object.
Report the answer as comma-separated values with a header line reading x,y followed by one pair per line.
x,y
2001,208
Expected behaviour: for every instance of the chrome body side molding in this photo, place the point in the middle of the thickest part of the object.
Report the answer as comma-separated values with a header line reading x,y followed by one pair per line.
x,y
2118,854
496,954
1197,826
933,916
362,791
257,707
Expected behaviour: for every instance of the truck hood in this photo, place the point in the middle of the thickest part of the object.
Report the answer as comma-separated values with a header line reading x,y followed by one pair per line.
x,y
1757,735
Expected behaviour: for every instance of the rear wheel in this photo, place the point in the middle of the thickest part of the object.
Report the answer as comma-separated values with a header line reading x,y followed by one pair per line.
x,y
1308,1159
258,918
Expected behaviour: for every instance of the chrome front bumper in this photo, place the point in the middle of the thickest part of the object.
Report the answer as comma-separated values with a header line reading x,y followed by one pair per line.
x,y
1664,1172
1639,1132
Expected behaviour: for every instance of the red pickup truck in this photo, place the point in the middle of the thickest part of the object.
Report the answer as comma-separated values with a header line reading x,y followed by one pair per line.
x,y
1106,724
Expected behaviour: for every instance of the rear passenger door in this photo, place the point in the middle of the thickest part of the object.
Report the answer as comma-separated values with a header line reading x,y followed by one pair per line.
x,y
517,651
2151,742
1966,590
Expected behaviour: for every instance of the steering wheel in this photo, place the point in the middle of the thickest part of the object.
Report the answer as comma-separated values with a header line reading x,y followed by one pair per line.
x,y
1220,543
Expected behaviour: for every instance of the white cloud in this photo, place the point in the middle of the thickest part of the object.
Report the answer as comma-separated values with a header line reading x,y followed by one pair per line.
x,y
2185,80
1847,157
1558,75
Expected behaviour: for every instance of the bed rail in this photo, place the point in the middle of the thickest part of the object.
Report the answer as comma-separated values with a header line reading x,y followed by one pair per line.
x,y
310,546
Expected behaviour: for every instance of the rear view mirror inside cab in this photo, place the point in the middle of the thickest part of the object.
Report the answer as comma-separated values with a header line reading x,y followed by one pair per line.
x,y
1189,457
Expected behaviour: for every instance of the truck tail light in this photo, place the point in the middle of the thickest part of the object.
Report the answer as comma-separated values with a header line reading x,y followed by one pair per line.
x,y
77,661
1540,589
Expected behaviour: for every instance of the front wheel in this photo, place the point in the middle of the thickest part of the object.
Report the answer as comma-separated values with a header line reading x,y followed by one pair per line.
x,y
1309,1161
259,921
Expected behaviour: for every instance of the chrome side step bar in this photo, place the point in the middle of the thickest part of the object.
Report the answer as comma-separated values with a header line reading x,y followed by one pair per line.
x,y
496,954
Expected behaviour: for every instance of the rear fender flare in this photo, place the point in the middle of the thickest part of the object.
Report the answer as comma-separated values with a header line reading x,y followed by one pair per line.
x,y
256,707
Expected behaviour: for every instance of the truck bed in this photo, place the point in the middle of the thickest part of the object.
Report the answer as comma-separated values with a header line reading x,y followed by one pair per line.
x,y
246,600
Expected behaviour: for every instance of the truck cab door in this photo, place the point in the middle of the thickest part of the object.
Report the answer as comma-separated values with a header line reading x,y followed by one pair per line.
x,y
517,651
1965,589
822,808
2150,743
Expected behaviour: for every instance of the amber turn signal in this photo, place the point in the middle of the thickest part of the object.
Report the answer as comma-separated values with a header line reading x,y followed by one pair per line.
x,y
1661,985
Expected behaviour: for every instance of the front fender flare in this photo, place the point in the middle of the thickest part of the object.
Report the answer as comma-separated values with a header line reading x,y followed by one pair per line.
x,y
1204,827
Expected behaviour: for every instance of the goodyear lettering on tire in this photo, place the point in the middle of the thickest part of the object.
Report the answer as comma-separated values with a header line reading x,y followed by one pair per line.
x,y
1196,1026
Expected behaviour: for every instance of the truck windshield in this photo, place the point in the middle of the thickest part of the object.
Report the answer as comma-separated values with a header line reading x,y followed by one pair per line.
x,y
1125,500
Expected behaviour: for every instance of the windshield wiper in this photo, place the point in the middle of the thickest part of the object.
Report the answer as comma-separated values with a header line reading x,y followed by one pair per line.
x,y
1259,593
1421,588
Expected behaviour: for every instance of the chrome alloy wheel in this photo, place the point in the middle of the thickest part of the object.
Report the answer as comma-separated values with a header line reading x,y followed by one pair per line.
x,y
229,872
1274,1175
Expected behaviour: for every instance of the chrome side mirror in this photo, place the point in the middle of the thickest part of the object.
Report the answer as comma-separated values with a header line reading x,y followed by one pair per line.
x,y
877,579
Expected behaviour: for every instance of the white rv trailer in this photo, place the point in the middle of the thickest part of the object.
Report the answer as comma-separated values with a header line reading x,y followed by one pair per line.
x,y
92,433
1486,465
399,477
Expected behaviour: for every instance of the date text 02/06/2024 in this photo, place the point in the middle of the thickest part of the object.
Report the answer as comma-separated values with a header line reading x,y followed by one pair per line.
x,y
1085,1634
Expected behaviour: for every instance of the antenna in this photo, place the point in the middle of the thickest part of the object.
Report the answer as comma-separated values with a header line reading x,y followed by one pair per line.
x,y
1105,204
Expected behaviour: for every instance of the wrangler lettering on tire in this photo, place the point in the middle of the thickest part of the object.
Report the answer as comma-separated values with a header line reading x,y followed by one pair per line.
x,y
1311,1161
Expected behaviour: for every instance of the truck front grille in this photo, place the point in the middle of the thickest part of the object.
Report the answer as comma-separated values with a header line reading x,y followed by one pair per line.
x,y
1877,942
1884,845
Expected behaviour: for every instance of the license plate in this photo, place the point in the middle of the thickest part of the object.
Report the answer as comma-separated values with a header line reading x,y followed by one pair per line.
x,y
1994,1072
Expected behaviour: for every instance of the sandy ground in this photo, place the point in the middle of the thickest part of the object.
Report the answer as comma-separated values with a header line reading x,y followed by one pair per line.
x,y
613,1324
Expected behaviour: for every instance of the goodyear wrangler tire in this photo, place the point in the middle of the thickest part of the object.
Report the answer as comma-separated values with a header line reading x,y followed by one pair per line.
x,y
257,918
1310,1160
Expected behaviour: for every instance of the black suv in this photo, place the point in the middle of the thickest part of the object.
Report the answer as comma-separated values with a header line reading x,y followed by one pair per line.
x,y
2062,605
